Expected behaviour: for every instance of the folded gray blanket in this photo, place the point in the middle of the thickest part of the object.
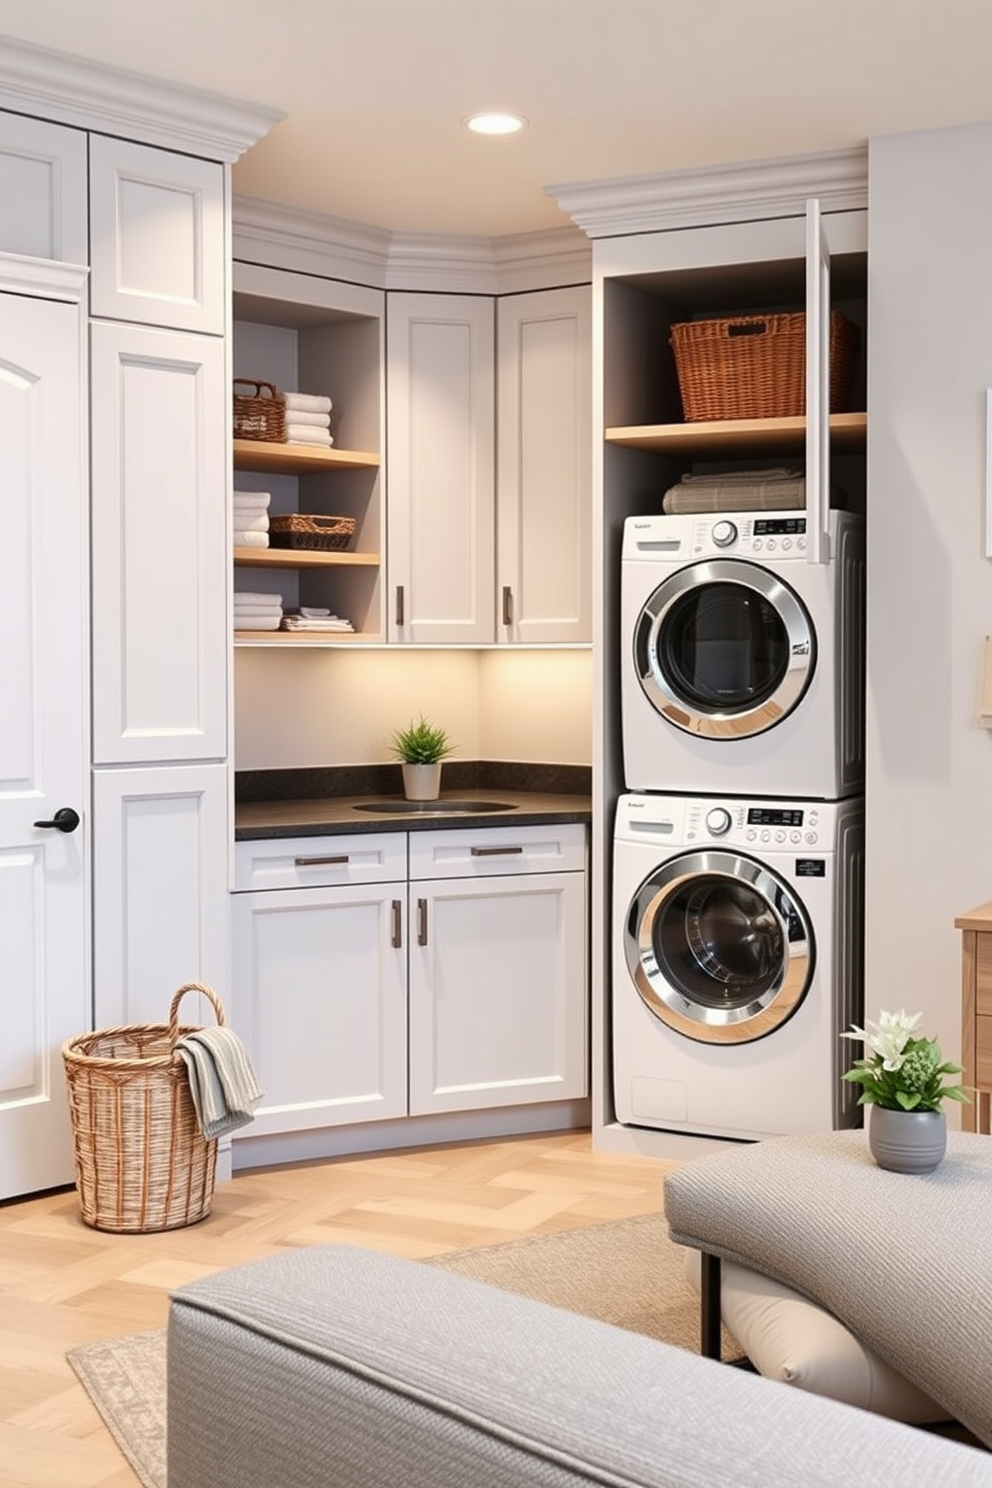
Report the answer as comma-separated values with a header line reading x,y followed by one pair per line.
x,y
222,1081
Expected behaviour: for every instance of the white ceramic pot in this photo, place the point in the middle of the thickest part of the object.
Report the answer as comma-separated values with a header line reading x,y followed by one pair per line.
x,y
422,782
907,1141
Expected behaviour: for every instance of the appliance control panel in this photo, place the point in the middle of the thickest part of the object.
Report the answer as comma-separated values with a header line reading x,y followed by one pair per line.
x,y
703,821
688,538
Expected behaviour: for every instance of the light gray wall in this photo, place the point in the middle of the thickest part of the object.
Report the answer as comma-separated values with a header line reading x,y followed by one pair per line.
x,y
929,784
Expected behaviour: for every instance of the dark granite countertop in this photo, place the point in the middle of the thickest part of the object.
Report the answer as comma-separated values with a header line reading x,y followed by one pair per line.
x,y
327,803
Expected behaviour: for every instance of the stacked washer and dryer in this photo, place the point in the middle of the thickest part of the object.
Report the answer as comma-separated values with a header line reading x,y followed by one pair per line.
x,y
738,855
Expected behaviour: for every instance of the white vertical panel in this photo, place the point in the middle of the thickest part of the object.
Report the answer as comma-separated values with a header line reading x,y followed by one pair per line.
x,y
544,441
157,237
440,437
44,939
160,845
43,171
160,551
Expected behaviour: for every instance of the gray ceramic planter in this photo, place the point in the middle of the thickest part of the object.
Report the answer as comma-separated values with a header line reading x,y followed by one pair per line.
x,y
907,1141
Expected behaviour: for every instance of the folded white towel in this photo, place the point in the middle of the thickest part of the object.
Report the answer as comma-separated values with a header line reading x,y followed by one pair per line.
x,y
251,521
222,1082
250,597
250,539
252,499
257,622
312,420
312,612
257,609
304,622
303,434
308,402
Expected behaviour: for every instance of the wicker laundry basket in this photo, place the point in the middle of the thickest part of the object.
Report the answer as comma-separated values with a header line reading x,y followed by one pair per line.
x,y
260,414
754,366
306,530
142,1163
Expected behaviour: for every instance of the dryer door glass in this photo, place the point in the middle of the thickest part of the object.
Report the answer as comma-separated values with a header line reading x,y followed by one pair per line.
x,y
719,947
724,649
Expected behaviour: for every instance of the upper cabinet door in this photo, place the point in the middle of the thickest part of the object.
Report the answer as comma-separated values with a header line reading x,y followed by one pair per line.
x,y
160,552
440,417
43,171
544,465
157,237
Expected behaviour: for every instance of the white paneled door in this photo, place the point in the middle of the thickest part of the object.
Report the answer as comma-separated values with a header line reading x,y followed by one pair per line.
x,y
44,760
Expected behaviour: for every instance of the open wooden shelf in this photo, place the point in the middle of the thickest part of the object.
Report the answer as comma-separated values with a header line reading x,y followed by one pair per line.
x,y
266,458
303,558
301,637
745,437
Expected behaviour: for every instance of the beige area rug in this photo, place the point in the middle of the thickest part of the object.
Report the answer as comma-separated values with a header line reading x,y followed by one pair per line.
x,y
627,1273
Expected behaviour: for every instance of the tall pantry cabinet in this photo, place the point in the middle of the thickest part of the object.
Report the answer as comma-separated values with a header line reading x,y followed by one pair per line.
x,y
122,186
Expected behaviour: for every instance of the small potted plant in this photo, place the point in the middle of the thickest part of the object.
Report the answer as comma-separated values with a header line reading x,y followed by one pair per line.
x,y
421,747
903,1082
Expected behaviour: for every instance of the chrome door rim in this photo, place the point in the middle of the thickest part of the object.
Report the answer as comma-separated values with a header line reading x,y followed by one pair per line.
x,y
711,722
769,1010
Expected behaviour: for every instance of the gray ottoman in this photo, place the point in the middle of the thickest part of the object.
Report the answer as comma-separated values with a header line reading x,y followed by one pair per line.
x,y
904,1262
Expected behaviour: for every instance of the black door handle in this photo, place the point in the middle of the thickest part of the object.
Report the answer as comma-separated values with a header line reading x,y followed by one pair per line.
x,y
64,820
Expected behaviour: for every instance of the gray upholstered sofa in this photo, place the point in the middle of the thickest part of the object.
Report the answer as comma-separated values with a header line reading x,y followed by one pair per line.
x,y
335,1367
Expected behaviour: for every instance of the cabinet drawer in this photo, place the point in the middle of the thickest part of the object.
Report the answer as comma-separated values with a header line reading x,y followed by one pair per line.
x,y
983,1053
310,862
475,854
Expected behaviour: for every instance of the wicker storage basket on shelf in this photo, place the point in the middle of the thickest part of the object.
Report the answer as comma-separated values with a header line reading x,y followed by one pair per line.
x,y
298,530
261,414
754,366
142,1163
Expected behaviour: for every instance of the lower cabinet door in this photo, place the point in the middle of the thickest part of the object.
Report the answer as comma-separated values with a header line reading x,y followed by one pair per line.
x,y
321,1003
160,892
497,991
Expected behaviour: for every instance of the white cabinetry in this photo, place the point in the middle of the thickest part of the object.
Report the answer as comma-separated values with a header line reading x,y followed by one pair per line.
x,y
362,996
497,967
43,171
160,545
320,973
160,863
158,237
440,433
543,467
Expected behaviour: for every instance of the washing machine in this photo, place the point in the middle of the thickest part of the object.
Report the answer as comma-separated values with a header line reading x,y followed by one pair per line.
x,y
736,963
742,667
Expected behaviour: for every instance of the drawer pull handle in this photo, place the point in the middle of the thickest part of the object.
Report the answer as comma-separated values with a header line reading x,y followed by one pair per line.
x,y
421,922
494,852
397,924
337,859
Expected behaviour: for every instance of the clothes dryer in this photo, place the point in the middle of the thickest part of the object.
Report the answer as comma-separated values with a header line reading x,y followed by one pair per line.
x,y
742,667
736,963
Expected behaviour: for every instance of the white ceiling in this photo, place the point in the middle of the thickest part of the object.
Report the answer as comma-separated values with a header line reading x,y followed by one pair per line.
x,y
374,91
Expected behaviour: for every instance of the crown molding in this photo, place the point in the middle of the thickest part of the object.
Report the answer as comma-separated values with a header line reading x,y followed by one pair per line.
x,y
112,100
700,197
42,278
310,242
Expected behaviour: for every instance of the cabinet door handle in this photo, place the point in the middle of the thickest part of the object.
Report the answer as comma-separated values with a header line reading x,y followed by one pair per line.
x,y
397,924
507,605
399,604
421,922
494,852
320,862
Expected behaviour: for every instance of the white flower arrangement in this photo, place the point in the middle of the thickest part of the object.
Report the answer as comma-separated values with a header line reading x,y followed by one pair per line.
x,y
902,1072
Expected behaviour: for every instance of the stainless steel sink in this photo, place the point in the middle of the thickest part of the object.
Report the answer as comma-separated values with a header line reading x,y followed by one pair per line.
x,y
434,808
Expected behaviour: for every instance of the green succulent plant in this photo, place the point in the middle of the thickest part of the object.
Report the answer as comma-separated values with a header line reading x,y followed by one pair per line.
x,y
421,743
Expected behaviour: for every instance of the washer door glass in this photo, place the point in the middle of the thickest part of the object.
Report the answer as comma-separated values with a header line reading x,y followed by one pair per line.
x,y
724,649
719,947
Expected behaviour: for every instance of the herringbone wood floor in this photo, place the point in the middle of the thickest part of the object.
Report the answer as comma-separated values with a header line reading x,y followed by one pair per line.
x,y
62,1283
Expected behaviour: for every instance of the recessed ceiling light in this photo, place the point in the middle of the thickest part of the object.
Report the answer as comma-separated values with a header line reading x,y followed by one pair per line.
x,y
494,123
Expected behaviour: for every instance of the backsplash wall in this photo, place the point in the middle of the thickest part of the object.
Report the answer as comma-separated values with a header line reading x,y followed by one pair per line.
x,y
301,709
